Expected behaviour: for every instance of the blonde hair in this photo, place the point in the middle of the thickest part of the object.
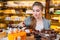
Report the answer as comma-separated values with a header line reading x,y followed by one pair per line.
x,y
38,4
33,23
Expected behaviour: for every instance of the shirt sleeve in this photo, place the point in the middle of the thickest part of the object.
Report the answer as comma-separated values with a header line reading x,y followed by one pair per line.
x,y
49,23
27,21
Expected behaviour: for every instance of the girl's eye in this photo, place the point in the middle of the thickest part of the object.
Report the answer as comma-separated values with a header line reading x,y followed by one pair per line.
x,y
37,10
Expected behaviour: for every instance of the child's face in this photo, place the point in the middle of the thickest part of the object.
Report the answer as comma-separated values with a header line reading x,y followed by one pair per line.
x,y
37,12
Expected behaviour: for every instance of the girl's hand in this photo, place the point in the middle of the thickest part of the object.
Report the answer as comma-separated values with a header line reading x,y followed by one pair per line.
x,y
35,32
21,24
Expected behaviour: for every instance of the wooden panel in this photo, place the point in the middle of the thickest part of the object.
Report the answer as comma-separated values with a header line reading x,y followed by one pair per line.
x,y
47,15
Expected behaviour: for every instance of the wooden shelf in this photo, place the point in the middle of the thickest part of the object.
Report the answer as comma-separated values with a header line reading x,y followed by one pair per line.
x,y
56,14
1,4
12,7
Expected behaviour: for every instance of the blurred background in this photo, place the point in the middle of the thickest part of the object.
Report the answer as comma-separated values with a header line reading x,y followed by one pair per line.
x,y
15,11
